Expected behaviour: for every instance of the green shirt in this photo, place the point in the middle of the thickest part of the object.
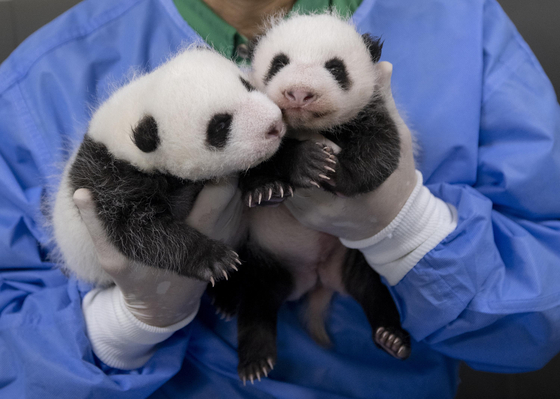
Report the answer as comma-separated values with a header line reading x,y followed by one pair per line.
x,y
225,39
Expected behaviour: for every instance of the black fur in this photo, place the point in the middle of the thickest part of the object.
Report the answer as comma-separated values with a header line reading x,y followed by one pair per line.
x,y
218,130
278,62
366,287
374,45
262,284
370,153
247,85
144,214
338,69
145,135
265,288
256,293
294,165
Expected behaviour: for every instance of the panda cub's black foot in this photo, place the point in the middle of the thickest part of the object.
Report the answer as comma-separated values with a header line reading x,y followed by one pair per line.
x,y
269,194
225,297
394,341
316,166
214,264
256,369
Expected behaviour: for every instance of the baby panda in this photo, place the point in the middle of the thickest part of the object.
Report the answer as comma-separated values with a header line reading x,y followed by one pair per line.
x,y
147,153
342,137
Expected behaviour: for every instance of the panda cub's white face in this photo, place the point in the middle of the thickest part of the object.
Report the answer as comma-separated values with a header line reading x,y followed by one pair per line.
x,y
195,117
316,68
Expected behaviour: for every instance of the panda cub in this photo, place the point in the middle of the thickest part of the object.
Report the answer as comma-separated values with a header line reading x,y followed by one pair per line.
x,y
148,152
342,137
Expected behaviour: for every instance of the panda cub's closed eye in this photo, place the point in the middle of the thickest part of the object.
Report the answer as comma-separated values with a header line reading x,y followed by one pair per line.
x,y
338,69
247,85
218,130
145,135
278,62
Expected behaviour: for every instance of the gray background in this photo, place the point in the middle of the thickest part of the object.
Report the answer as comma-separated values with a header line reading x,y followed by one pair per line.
x,y
537,20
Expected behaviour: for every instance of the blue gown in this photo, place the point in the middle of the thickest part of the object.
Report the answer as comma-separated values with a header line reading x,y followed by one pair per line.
x,y
488,123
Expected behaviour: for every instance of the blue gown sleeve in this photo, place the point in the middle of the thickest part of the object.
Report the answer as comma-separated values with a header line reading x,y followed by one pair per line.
x,y
44,350
489,293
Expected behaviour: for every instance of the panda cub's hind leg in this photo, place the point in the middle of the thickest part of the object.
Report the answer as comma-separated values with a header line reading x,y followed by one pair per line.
x,y
366,287
266,285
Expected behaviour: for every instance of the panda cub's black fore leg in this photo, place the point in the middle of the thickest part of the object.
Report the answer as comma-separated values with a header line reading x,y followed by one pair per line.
x,y
370,150
309,164
172,245
366,287
298,164
144,215
266,285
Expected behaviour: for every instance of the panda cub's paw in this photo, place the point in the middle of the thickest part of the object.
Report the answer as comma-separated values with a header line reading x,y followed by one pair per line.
x,y
216,263
269,194
315,166
226,296
255,369
394,341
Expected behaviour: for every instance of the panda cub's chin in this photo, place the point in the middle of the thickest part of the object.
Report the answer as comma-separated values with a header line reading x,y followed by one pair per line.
x,y
302,118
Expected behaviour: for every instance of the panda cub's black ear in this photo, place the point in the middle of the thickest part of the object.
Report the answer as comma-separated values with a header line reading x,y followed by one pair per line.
x,y
252,45
374,45
145,135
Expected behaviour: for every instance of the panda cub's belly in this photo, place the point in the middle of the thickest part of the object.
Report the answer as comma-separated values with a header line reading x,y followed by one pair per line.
x,y
307,254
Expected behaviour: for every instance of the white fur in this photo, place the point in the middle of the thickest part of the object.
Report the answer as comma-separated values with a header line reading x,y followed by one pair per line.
x,y
310,41
74,247
182,95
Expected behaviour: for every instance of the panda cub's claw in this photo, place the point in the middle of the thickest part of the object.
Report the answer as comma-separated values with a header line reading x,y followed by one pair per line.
x,y
215,264
395,342
269,194
256,370
315,166
224,315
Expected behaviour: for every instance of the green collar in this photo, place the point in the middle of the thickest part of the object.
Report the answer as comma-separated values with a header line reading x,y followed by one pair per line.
x,y
225,39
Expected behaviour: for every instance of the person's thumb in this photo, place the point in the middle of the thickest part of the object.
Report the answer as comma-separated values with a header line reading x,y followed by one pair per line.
x,y
109,257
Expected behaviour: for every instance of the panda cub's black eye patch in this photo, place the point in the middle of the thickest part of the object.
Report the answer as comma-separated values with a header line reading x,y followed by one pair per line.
x,y
218,130
337,68
145,135
277,63
247,85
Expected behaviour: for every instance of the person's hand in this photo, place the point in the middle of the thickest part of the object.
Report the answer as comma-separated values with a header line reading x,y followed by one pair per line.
x,y
365,215
154,296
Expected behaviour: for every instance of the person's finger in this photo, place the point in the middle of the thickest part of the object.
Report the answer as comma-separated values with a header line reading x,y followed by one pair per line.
x,y
109,257
386,71
210,204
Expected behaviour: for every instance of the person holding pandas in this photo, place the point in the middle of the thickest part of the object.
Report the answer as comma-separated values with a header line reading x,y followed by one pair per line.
x,y
474,273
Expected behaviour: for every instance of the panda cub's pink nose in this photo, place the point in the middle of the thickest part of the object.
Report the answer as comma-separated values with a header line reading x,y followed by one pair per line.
x,y
277,129
300,97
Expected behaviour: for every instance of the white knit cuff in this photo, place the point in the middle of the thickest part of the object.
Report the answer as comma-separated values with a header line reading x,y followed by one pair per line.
x,y
421,224
118,338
